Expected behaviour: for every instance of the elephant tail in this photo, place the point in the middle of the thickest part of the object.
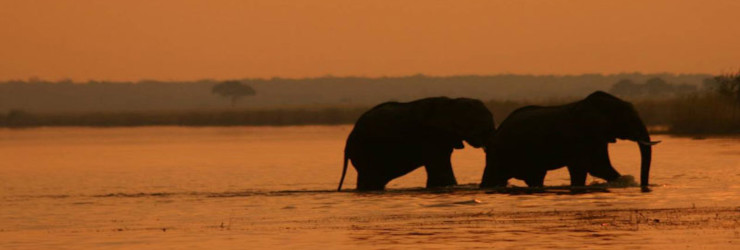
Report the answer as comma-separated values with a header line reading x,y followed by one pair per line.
x,y
344,172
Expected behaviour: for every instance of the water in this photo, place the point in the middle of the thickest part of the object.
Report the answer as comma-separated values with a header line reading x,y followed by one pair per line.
x,y
242,187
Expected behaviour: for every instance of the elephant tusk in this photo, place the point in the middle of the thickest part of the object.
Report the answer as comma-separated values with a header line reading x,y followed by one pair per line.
x,y
648,143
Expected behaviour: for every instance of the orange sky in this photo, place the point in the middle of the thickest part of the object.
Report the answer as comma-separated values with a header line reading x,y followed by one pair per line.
x,y
188,40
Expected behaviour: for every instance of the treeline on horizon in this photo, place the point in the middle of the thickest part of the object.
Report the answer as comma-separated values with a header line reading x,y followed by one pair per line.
x,y
65,96
708,105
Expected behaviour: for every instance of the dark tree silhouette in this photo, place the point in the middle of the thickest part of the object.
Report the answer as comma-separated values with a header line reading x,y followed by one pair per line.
x,y
728,85
233,89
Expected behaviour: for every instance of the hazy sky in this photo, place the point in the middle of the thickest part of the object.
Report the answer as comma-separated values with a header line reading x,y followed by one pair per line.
x,y
187,40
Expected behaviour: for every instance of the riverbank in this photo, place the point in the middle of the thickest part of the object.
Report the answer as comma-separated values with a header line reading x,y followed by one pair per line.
x,y
699,114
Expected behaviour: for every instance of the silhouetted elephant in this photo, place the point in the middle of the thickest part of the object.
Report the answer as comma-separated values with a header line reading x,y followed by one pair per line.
x,y
534,139
392,139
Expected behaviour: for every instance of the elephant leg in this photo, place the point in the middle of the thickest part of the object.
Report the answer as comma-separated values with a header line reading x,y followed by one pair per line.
x,y
370,181
577,174
369,175
494,175
601,165
439,170
536,180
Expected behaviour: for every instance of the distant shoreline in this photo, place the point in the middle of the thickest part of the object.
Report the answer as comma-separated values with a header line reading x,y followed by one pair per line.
x,y
692,115
37,95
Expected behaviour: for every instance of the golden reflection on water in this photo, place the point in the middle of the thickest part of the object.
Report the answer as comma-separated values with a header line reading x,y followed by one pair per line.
x,y
257,186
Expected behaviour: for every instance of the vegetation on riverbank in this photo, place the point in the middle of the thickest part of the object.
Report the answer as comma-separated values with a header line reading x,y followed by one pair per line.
x,y
716,110
66,96
695,114
267,117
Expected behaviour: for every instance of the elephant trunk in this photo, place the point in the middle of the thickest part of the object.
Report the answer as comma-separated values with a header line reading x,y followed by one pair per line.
x,y
646,155
645,144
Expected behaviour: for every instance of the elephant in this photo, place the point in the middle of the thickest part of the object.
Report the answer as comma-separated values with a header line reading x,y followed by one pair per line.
x,y
535,139
394,138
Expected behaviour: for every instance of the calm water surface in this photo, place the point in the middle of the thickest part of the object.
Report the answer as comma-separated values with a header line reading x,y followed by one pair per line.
x,y
238,187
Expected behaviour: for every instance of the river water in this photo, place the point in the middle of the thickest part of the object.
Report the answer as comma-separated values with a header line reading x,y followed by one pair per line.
x,y
260,187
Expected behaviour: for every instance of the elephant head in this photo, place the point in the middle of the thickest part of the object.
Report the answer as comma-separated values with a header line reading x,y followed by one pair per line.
x,y
605,118
463,119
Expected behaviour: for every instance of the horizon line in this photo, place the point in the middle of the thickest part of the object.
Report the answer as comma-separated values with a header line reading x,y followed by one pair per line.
x,y
328,76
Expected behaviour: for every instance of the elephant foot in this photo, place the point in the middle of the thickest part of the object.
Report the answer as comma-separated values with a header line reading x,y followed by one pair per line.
x,y
370,188
494,184
535,179
365,186
440,175
578,189
438,184
370,184
535,183
495,177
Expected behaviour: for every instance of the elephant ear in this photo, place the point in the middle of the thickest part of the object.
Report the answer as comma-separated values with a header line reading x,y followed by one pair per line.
x,y
439,118
593,121
431,113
